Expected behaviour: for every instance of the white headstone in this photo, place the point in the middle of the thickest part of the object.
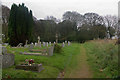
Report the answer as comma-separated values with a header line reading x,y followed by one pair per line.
x,y
63,44
35,44
68,43
50,43
43,43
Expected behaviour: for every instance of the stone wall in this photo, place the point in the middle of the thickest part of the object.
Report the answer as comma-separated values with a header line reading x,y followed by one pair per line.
x,y
8,60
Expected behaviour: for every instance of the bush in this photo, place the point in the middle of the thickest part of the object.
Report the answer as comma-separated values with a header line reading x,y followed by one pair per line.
x,y
57,48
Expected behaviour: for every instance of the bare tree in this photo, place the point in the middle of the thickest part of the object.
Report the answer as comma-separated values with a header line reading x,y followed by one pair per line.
x,y
92,19
111,21
73,17
53,18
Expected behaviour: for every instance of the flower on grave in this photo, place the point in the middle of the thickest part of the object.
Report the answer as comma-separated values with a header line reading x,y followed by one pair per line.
x,y
26,60
8,77
31,61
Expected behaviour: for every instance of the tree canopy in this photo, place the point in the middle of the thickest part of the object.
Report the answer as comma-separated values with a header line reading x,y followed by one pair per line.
x,y
20,25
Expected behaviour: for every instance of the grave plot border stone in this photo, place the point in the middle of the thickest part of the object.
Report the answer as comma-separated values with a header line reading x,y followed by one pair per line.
x,y
33,67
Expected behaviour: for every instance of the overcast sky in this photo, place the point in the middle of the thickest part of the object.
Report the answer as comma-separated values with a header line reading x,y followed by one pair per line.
x,y
43,8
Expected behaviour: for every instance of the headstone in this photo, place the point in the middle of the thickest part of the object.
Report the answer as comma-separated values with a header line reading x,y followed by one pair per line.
x,y
108,35
56,38
26,45
4,50
31,46
38,39
50,51
68,43
50,43
8,60
6,44
20,45
39,44
63,44
47,44
44,44
35,44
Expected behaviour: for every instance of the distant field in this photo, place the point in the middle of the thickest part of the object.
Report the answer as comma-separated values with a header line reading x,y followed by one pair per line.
x,y
102,57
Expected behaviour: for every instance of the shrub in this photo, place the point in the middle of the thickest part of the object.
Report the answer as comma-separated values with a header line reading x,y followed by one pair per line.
x,y
57,48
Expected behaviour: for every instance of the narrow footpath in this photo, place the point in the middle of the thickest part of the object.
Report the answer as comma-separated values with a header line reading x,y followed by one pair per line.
x,y
82,70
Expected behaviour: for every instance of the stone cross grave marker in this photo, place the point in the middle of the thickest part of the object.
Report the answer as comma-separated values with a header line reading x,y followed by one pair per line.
x,y
38,39
26,44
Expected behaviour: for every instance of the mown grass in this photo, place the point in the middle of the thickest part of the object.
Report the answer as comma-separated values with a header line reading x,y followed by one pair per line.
x,y
103,58
52,65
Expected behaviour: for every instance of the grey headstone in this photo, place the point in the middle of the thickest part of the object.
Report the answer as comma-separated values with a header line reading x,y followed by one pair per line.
x,y
50,43
8,60
50,51
26,46
4,50
43,43
31,46
47,44
39,44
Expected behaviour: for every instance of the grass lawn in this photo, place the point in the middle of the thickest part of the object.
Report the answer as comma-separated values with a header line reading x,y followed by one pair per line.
x,y
102,56
53,65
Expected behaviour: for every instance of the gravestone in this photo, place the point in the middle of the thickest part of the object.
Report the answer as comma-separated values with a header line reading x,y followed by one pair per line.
x,y
50,43
35,44
50,51
47,44
40,44
43,43
26,45
6,44
4,50
108,35
31,46
68,43
63,44
8,60
38,39
20,45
